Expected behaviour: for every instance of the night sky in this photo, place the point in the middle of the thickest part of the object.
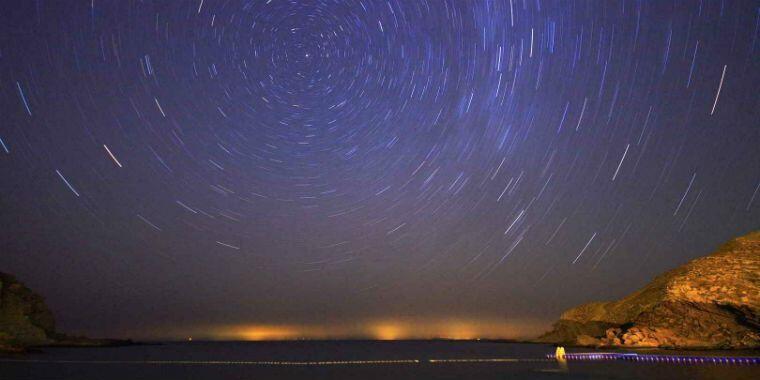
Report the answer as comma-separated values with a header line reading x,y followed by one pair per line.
x,y
177,167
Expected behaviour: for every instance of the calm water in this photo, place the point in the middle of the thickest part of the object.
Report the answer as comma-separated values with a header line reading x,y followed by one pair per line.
x,y
317,360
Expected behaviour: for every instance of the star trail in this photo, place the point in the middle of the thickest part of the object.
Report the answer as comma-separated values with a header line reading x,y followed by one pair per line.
x,y
211,163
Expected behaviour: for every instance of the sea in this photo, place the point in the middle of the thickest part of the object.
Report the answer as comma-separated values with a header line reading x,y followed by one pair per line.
x,y
355,360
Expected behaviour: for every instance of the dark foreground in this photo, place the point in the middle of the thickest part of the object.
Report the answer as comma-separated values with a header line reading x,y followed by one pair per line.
x,y
342,360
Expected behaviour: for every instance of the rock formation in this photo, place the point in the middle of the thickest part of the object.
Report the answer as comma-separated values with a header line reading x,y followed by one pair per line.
x,y
25,320
710,302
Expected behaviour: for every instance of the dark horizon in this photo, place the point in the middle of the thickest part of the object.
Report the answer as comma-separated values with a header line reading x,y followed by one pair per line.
x,y
401,167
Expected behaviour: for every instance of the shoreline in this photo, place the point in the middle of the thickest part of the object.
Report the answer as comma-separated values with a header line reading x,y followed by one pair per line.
x,y
116,343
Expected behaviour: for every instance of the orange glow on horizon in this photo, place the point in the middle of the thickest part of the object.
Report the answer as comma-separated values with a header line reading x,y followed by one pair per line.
x,y
458,330
387,329
269,333
387,332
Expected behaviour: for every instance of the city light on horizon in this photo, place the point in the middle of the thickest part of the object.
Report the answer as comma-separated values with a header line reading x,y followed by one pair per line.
x,y
384,329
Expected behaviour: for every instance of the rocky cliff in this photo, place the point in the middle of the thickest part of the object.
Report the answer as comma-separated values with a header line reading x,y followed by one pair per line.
x,y
24,318
710,302
26,321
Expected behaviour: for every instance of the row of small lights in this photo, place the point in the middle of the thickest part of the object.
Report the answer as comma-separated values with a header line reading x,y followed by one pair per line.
x,y
663,358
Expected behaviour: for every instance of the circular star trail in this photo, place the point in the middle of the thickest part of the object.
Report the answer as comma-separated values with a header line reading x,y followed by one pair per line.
x,y
211,162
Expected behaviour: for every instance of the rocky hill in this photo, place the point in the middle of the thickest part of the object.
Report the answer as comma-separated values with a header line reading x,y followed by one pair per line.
x,y
710,302
26,321
24,318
